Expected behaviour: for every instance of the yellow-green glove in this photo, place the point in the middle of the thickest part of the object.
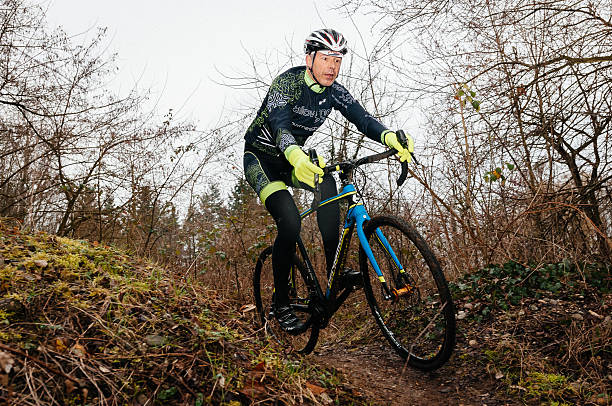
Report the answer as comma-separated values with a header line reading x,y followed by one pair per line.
x,y
304,169
404,152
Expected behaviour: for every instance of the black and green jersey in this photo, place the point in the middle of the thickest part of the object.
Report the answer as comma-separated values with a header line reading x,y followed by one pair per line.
x,y
292,111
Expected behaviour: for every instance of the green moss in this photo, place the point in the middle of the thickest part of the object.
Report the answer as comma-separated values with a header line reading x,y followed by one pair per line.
x,y
5,316
540,384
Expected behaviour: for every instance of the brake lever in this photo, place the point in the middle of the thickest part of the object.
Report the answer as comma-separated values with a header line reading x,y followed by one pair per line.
x,y
314,158
401,137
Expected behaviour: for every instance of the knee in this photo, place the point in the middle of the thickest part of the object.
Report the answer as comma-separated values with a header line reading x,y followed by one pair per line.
x,y
328,187
289,226
285,214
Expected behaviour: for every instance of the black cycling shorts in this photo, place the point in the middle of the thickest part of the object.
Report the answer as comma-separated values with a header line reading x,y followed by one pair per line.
x,y
267,173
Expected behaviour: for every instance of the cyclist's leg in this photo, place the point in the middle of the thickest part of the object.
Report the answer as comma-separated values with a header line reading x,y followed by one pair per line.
x,y
267,174
281,206
328,219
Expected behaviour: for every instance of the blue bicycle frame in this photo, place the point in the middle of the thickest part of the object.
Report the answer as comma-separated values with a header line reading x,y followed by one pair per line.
x,y
355,217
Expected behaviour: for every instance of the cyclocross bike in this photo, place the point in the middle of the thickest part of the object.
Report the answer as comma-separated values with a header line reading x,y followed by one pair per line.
x,y
403,283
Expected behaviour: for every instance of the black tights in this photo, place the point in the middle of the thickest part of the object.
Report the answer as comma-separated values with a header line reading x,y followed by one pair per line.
x,y
288,223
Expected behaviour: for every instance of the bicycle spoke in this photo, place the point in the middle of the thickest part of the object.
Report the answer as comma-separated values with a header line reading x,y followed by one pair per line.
x,y
263,284
418,318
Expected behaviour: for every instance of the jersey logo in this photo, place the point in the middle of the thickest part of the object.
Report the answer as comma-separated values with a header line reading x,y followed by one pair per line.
x,y
322,101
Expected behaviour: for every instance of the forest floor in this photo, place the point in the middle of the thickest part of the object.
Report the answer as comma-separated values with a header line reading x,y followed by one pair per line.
x,y
523,337
85,324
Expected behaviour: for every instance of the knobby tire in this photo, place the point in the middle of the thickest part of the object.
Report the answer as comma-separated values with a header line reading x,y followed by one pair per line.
x,y
420,322
263,286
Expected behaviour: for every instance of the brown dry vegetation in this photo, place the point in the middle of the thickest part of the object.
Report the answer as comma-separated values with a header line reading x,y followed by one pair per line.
x,y
84,323
515,171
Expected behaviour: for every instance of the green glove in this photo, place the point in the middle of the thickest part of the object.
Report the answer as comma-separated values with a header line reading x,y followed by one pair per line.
x,y
304,169
389,138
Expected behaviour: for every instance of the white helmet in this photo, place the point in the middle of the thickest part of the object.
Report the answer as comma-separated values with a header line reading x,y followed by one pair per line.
x,y
327,41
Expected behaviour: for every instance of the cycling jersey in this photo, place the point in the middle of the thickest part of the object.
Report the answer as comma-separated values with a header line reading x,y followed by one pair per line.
x,y
295,107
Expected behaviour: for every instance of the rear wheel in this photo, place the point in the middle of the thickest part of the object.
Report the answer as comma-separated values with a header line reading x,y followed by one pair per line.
x,y
299,298
416,312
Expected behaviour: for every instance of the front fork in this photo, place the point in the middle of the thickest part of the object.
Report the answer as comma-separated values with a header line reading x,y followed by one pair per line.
x,y
361,216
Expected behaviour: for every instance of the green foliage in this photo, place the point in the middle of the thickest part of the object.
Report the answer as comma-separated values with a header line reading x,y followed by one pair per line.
x,y
598,276
501,286
241,196
465,95
167,394
498,173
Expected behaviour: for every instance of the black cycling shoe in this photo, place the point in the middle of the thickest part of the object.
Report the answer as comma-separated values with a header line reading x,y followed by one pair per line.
x,y
288,321
351,278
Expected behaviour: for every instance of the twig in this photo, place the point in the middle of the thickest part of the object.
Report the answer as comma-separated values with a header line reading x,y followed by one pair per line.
x,y
39,362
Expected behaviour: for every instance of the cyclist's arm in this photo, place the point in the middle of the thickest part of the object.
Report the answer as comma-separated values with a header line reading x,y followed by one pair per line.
x,y
350,108
281,97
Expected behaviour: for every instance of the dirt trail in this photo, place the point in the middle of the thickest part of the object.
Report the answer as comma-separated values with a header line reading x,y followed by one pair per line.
x,y
381,376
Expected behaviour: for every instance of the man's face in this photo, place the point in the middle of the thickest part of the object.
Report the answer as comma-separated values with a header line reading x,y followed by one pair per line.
x,y
325,68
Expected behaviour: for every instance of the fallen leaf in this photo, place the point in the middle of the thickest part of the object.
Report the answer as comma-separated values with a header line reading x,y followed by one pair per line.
x,y
592,313
6,362
153,340
317,390
79,351
70,386
260,367
325,399
247,308
253,389
142,399
221,380
60,346
41,263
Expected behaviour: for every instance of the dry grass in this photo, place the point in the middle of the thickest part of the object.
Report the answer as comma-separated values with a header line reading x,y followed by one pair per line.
x,y
82,323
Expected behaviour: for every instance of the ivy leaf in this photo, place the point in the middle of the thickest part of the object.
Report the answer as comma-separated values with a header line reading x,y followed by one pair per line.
x,y
476,105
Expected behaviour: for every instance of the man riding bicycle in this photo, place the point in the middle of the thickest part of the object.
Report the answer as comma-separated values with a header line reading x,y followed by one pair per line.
x,y
296,105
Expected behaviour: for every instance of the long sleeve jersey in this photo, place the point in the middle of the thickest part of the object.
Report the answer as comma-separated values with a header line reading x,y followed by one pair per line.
x,y
292,111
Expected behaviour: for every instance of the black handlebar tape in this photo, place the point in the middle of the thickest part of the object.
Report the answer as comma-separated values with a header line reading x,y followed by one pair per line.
x,y
404,174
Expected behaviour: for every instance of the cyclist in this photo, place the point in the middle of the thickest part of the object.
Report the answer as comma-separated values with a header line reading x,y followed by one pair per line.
x,y
296,105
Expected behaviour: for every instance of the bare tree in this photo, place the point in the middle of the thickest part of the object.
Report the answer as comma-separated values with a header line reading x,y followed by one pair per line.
x,y
77,159
530,164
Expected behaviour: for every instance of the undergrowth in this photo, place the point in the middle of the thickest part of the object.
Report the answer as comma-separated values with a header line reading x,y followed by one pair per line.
x,y
82,323
543,332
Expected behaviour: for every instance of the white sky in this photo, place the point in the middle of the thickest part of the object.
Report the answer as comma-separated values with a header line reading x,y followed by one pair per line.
x,y
176,47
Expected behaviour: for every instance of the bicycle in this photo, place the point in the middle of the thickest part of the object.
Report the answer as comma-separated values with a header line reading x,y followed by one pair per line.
x,y
403,282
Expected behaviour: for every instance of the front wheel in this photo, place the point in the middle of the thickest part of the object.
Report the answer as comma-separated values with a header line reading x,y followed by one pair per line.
x,y
411,301
299,298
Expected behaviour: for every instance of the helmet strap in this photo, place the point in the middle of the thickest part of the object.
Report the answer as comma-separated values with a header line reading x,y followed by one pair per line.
x,y
312,72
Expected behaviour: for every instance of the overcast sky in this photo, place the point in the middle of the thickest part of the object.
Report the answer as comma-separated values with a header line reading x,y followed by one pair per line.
x,y
176,48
